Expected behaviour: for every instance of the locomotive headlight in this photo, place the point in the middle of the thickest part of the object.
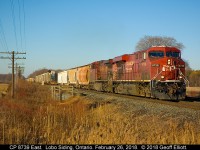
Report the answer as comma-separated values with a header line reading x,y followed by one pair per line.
x,y
168,61
162,77
180,77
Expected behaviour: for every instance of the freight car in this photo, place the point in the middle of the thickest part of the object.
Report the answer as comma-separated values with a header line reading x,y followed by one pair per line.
x,y
158,72
62,77
30,80
49,77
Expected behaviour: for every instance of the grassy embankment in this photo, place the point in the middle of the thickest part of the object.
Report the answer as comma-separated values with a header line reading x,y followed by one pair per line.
x,y
34,118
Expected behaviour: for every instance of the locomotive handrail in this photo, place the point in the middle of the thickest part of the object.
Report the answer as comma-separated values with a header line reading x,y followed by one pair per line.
x,y
156,76
184,78
151,83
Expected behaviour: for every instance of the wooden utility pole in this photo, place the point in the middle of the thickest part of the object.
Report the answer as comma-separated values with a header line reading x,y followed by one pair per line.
x,y
13,58
18,71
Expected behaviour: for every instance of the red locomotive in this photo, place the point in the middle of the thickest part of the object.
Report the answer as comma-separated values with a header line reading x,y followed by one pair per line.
x,y
157,72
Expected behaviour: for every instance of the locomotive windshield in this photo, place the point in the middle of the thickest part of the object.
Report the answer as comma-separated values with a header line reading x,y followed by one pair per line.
x,y
156,54
173,54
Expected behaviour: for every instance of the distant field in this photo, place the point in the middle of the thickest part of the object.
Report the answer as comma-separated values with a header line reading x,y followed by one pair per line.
x,y
193,91
3,87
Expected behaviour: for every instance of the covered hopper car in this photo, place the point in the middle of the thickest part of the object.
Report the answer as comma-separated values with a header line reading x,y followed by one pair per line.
x,y
49,77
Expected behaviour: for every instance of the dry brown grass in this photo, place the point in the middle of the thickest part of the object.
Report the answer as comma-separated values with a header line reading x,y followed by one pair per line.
x,y
34,118
193,91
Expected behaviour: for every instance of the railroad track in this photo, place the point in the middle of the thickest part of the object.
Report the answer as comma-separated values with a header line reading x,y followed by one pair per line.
x,y
189,102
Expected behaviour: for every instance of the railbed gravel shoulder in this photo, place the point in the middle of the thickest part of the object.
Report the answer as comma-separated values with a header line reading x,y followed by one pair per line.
x,y
139,106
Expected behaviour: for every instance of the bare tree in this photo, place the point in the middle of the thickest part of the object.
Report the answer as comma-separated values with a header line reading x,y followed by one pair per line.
x,y
41,71
188,69
37,72
149,41
187,65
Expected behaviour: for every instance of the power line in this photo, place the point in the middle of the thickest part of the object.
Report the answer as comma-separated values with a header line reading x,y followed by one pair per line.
x,y
20,23
1,41
13,57
24,24
14,25
3,38
19,70
22,28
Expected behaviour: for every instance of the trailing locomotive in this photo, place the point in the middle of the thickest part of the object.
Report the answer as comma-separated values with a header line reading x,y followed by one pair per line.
x,y
158,72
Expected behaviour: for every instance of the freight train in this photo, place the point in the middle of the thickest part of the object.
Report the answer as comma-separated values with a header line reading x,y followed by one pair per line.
x,y
158,72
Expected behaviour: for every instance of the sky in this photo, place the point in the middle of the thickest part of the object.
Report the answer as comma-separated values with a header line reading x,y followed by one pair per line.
x,y
61,34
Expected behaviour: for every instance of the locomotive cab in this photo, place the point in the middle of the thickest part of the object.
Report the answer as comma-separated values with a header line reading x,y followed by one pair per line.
x,y
167,73
166,63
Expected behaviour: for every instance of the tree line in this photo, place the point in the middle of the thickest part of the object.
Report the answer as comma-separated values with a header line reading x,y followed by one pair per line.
x,y
5,78
194,77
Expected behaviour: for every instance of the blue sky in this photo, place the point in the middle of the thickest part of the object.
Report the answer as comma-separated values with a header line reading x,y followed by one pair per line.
x,y
61,34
